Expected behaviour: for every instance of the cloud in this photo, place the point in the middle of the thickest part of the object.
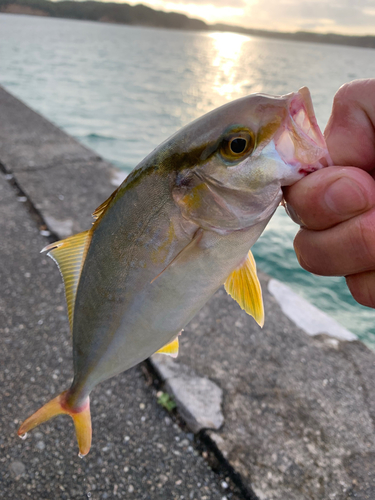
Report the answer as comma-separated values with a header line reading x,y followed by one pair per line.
x,y
215,3
211,11
314,14
346,16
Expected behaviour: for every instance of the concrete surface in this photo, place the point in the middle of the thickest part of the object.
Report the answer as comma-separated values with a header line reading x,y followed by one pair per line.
x,y
28,141
299,411
53,192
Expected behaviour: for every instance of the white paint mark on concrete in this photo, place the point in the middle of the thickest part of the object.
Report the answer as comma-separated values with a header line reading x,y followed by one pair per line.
x,y
198,398
306,316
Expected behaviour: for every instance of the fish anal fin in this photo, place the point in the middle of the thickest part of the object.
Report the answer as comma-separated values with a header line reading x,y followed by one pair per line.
x,y
69,255
244,287
170,349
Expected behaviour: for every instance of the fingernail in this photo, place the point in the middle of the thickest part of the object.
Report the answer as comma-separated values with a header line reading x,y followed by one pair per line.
x,y
345,197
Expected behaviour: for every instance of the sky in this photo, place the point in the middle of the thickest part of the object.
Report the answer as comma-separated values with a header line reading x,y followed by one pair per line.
x,y
348,17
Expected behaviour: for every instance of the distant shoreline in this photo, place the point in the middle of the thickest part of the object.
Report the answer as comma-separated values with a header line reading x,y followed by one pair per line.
x,y
140,15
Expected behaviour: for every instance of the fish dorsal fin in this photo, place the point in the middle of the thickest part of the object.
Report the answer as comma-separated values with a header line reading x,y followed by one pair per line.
x,y
244,287
103,207
170,349
69,255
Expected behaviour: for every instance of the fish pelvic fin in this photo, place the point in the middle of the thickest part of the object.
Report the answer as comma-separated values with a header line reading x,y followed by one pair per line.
x,y
59,406
170,349
69,255
244,287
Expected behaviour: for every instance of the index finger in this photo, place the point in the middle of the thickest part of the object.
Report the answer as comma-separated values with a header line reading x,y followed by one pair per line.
x,y
350,133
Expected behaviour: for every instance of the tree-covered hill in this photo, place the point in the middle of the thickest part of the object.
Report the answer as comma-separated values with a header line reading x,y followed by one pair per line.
x,y
103,11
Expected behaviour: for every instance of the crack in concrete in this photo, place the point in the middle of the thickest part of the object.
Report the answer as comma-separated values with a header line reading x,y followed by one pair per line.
x,y
222,467
248,493
31,208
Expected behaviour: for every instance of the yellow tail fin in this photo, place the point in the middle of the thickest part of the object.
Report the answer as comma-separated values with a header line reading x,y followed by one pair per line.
x,y
58,406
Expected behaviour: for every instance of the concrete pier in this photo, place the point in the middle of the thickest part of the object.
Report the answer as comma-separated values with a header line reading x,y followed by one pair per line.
x,y
283,413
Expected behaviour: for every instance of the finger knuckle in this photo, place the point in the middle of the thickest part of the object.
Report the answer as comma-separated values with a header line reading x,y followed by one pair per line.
x,y
364,239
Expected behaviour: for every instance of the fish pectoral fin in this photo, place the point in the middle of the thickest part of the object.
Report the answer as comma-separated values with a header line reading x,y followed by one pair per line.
x,y
195,240
170,349
244,287
69,255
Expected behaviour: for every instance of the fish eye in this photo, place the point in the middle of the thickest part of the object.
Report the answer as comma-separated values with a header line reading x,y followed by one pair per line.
x,y
237,144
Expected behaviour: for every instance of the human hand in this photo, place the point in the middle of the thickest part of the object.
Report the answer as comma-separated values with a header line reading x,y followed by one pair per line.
x,y
336,206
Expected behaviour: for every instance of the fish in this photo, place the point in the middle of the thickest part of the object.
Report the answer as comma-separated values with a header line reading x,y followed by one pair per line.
x,y
180,226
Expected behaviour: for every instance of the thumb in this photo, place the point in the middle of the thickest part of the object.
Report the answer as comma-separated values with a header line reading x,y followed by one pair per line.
x,y
350,133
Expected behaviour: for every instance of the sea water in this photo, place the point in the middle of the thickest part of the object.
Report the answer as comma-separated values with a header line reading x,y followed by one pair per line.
x,y
122,90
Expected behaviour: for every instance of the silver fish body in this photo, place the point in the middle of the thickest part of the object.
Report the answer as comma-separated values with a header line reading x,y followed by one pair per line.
x,y
181,223
139,317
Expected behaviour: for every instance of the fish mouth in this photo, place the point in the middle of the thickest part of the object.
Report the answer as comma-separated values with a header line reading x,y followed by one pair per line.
x,y
300,142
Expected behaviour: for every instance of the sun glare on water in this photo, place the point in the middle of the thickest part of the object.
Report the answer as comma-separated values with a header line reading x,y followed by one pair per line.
x,y
227,50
